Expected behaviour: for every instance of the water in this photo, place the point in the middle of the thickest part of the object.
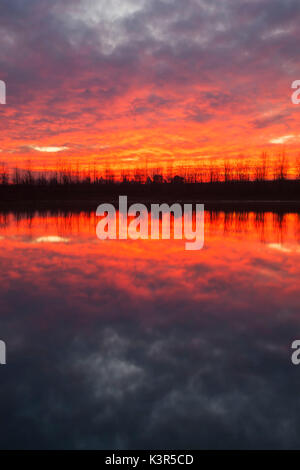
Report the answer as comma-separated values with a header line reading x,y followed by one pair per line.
x,y
141,344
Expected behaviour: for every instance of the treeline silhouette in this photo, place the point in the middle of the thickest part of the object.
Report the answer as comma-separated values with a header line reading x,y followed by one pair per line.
x,y
238,181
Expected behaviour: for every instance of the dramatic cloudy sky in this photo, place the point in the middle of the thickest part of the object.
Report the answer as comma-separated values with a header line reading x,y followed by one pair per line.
x,y
132,81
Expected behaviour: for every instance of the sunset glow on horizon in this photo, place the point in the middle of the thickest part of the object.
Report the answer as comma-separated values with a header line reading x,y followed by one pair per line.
x,y
150,227
158,83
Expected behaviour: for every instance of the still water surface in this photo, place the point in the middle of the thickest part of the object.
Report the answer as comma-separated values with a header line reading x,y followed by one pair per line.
x,y
141,344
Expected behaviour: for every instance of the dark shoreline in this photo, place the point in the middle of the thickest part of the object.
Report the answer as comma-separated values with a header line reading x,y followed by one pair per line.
x,y
277,195
89,205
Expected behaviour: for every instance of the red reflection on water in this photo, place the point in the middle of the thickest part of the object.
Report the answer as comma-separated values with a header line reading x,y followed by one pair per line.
x,y
248,259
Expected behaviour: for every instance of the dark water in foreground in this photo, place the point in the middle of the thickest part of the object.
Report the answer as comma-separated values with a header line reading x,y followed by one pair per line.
x,y
141,344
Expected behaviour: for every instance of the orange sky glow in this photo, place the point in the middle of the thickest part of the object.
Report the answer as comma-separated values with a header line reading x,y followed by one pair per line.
x,y
154,84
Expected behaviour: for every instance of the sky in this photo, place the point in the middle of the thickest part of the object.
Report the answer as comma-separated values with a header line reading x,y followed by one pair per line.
x,y
135,83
